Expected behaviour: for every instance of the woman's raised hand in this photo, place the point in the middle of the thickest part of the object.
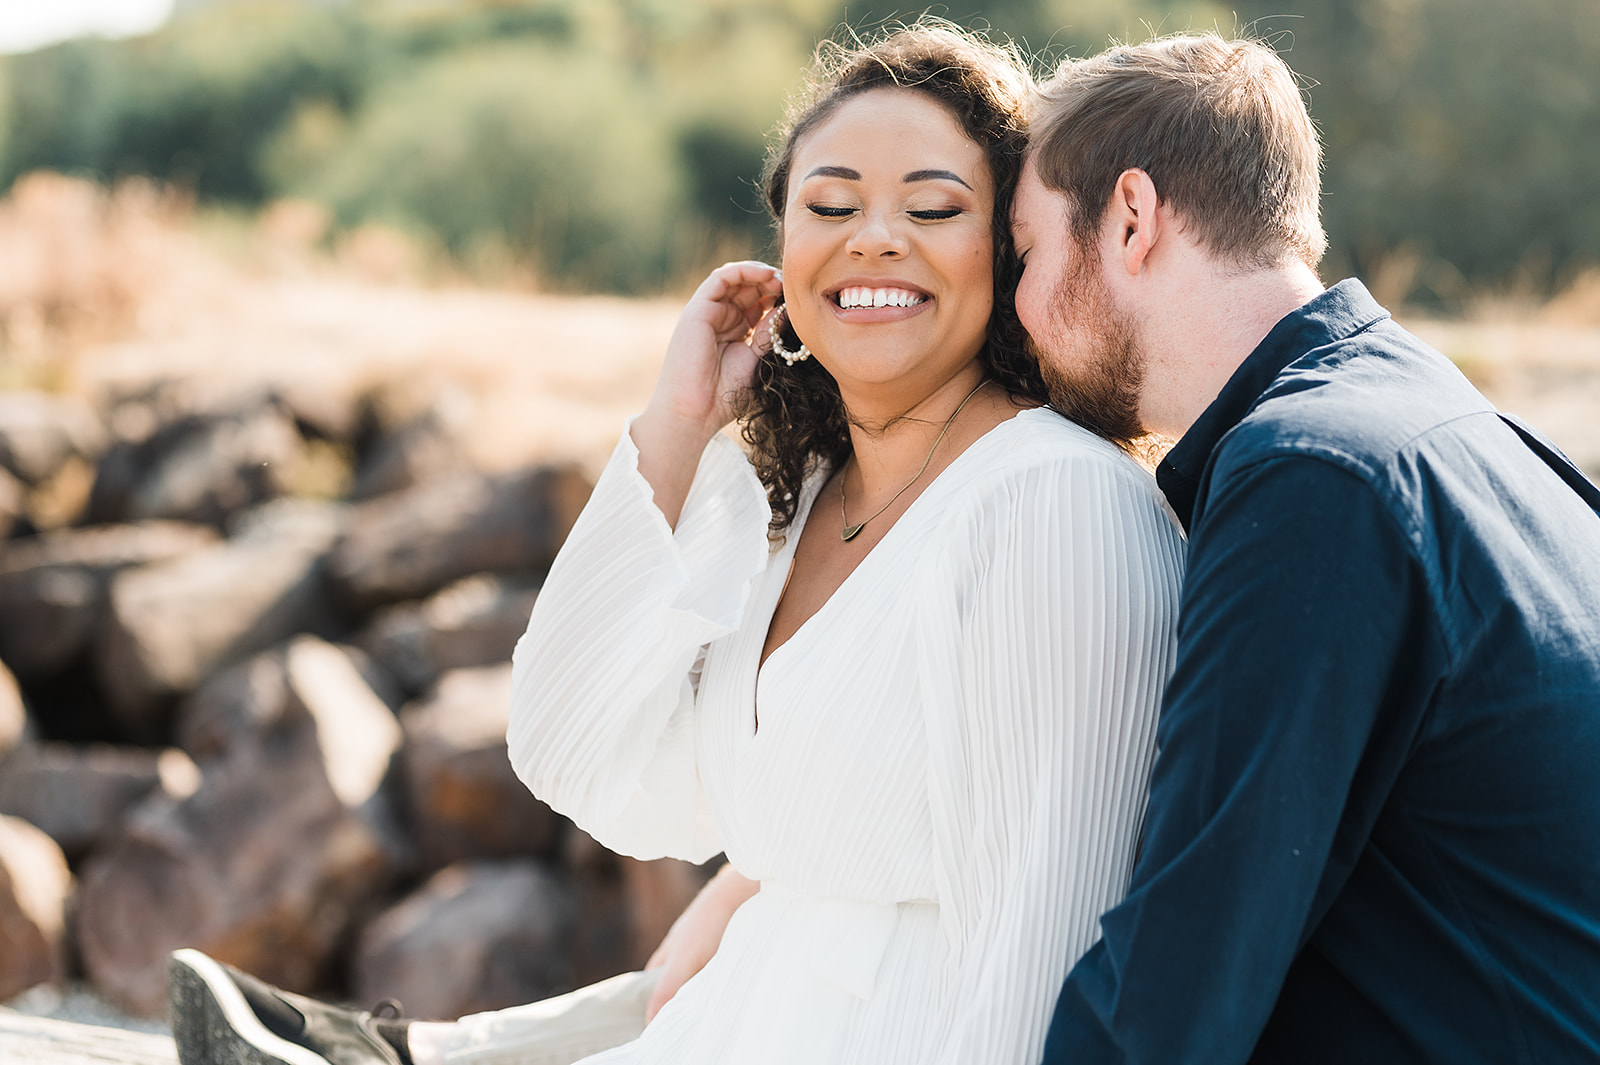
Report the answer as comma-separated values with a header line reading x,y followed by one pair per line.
x,y
710,359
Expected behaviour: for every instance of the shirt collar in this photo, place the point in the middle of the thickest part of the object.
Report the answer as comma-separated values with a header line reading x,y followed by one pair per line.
x,y
1339,312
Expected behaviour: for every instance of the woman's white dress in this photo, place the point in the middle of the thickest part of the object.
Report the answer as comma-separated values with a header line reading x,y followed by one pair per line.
x,y
946,785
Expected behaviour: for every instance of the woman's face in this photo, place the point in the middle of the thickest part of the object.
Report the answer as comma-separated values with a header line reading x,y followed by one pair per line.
x,y
888,245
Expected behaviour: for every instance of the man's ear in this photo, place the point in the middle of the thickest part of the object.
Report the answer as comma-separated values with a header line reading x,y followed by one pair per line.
x,y
1134,219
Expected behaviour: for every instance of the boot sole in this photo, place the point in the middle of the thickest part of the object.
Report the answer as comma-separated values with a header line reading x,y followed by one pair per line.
x,y
212,1024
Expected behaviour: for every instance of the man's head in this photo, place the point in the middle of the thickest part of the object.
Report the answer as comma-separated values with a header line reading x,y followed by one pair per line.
x,y
1214,135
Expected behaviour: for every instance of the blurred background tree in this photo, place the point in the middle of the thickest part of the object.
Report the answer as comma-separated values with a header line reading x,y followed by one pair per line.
x,y
613,144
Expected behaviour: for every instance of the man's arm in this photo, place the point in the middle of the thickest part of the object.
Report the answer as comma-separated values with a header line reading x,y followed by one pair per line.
x,y
1278,744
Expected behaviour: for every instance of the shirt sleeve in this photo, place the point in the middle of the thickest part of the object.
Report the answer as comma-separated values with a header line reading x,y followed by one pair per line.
x,y
1044,644
1302,601
604,680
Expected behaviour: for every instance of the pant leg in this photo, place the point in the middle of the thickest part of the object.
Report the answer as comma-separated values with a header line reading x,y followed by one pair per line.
x,y
555,1031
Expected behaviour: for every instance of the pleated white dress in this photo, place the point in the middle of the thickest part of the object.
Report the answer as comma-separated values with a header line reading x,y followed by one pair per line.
x,y
946,785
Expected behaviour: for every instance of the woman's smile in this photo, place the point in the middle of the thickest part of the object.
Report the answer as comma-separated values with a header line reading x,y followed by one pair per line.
x,y
863,301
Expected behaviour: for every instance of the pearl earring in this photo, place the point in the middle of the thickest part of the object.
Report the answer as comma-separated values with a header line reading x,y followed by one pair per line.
x,y
790,357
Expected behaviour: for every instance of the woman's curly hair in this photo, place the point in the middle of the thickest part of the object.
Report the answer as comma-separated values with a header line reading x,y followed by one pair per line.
x,y
793,417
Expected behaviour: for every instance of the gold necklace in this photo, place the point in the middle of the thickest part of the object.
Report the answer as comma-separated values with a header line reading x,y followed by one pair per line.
x,y
848,532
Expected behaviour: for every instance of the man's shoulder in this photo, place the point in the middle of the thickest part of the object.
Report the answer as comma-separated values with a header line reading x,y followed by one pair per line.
x,y
1357,403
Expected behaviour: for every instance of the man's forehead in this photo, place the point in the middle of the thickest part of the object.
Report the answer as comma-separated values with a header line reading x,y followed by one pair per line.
x,y
1034,204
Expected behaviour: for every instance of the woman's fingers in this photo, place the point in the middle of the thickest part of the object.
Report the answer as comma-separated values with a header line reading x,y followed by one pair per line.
x,y
741,291
747,273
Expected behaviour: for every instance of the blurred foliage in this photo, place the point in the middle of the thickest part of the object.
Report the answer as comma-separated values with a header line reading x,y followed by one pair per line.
x,y
614,143
1462,136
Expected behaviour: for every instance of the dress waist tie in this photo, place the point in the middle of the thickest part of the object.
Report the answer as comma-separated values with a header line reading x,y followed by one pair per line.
x,y
849,937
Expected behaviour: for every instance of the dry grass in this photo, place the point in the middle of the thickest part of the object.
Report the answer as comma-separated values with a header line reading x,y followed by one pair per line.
x,y
106,291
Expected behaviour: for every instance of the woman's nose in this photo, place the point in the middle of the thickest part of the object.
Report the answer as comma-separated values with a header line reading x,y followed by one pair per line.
x,y
876,237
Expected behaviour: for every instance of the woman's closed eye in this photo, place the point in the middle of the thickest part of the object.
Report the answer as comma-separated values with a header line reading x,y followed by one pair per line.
x,y
823,210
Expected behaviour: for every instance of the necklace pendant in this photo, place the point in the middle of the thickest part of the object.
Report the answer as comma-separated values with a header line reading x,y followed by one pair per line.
x,y
848,533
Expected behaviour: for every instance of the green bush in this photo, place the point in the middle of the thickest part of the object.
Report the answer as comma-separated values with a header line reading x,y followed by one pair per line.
x,y
557,156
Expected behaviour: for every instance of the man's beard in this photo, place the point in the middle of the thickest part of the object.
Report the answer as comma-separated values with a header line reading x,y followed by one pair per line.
x,y
1102,393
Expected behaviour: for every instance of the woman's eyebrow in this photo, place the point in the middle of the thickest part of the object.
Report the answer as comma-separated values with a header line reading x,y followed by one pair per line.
x,y
834,171
935,175
848,174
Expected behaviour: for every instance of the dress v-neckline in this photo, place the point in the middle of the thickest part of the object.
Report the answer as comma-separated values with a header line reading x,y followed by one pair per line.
x,y
794,545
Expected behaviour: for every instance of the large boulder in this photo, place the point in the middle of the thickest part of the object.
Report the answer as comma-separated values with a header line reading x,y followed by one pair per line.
x,y
78,795
306,682
13,712
170,624
13,503
201,466
264,867
409,544
466,800
473,622
428,446
625,906
53,586
477,936
657,892
35,888
39,432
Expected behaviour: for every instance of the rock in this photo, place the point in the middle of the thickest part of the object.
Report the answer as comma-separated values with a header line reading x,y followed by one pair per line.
x,y
475,937
473,622
13,712
307,682
170,624
466,801
200,467
53,586
657,892
329,411
39,432
625,906
35,887
427,447
13,503
603,943
264,867
412,543
78,795
235,707
383,683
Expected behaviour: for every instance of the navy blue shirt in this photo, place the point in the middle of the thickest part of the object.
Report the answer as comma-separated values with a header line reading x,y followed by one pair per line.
x,y
1374,822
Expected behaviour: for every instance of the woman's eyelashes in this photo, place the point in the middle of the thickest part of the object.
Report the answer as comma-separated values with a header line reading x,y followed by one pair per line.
x,y
823,210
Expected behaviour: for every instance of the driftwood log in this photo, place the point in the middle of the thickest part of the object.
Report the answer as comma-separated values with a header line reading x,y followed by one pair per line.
x,y
40,1041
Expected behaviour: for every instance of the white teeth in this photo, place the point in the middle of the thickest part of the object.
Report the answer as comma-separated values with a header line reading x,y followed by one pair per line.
x,y
878,297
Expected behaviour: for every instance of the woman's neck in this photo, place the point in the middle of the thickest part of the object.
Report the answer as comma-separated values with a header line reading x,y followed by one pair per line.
x,y
893,437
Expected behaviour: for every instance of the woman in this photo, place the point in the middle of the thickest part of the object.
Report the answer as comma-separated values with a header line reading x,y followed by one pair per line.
x,y
903,667
902,662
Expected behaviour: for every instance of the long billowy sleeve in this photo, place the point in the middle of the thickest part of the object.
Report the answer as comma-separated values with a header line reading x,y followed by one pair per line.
x,y
604,679
1043,672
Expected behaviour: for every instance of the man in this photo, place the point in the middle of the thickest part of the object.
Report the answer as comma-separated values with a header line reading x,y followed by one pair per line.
x,y
1373,832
